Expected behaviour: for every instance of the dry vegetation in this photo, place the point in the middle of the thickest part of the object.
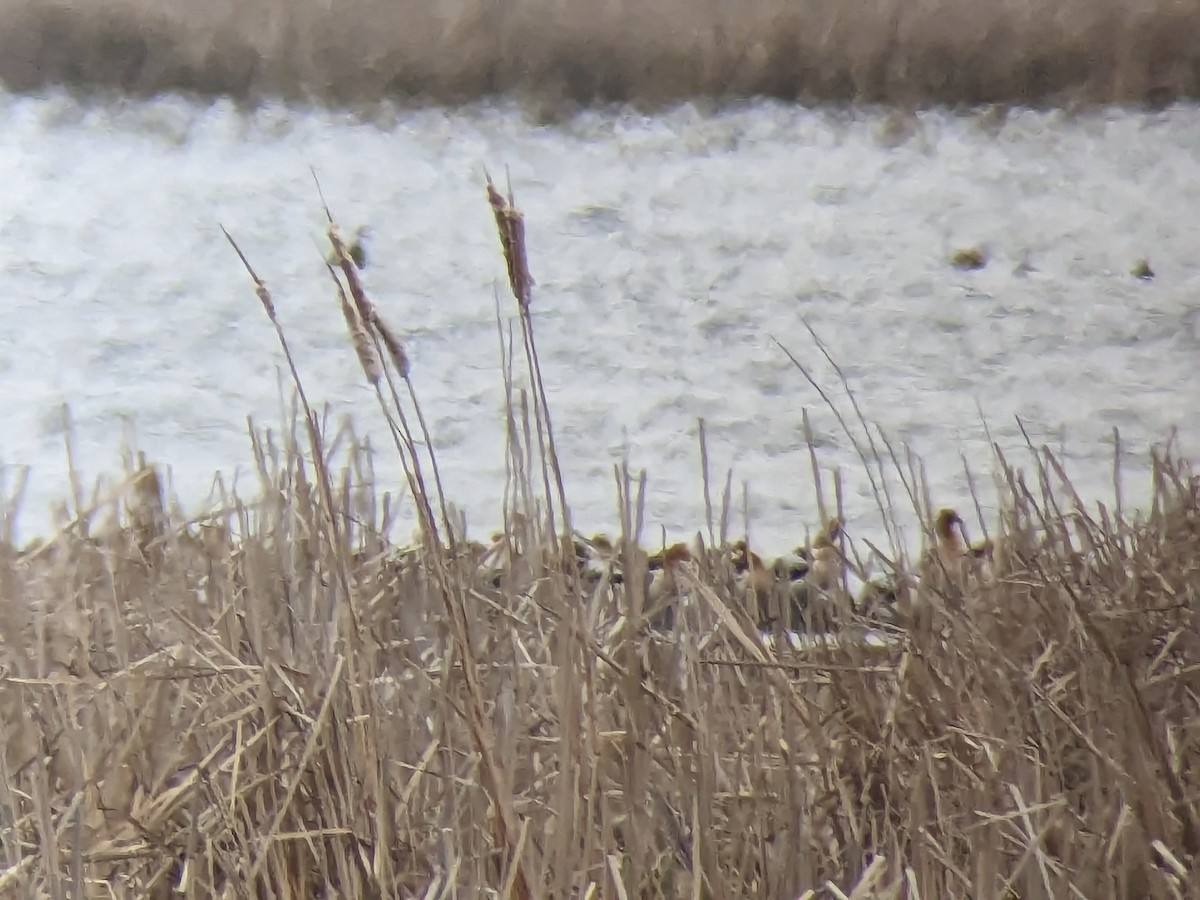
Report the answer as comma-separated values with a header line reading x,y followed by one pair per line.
x,y
275,701
564,53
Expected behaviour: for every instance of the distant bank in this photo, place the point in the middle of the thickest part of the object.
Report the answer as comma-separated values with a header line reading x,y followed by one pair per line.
x,y
562,54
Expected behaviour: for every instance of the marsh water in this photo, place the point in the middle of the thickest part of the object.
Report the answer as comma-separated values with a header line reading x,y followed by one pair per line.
x,y
671,254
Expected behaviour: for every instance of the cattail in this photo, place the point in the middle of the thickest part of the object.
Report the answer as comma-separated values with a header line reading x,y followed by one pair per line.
x,y
264,297
510,223
260,287
394,347
365,308
363,345
367,318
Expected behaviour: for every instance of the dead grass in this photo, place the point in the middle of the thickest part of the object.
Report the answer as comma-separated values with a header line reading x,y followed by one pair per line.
x,y
274,700
566,53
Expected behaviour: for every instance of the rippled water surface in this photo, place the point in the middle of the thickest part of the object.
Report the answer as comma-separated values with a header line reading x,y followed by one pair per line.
x,y
669,253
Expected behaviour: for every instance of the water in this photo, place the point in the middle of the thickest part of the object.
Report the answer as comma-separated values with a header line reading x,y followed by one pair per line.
x,y
670,253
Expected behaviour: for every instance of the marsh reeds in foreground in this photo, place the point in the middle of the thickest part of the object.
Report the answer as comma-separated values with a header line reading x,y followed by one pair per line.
x,y
275,700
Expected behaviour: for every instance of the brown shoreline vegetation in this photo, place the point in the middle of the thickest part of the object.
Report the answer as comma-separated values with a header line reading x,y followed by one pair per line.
x,y
274,700
562,55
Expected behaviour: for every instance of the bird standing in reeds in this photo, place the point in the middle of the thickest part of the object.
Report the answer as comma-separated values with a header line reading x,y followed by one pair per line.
x,y
499,559
822,585
597,559
953,554
878,600
788,587
825,569
755,582
753,574
664,589
791,577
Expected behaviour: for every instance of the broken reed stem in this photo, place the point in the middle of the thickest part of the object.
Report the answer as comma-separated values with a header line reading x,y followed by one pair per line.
x,y
72,470
704,475
1118,494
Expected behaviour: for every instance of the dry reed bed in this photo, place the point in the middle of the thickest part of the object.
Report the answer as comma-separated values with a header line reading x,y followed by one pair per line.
x,y
274,700
893,51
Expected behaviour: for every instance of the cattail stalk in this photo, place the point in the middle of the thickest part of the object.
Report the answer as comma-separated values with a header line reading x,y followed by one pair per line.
x,y
510,224
314,432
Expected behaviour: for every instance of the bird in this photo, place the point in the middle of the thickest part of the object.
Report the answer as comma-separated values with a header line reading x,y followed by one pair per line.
x,y
953,554
877,600
755,582
597,558
663,587
825,570
499,559
948,528
358,246
754,575
792,566
953,542
824,578
772,593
